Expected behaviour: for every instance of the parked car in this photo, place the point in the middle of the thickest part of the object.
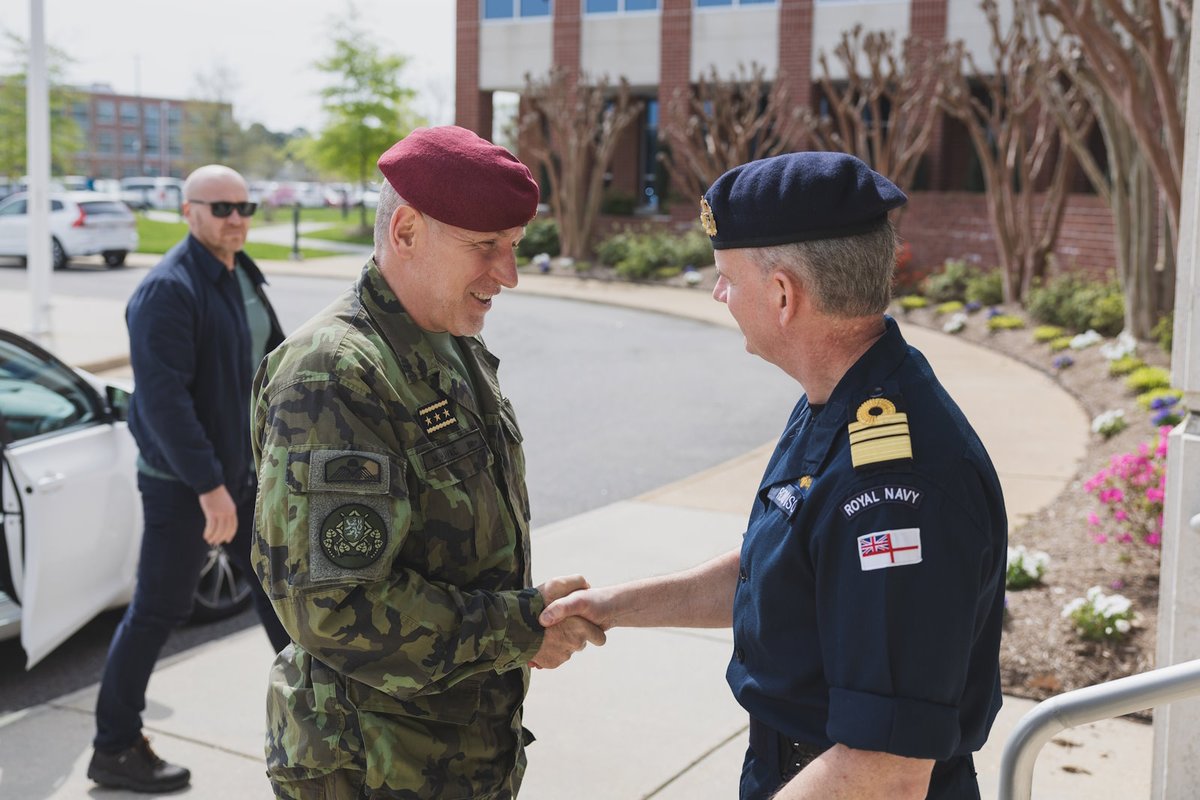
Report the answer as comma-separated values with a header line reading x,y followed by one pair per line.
x,y
72,517
81,224
158,193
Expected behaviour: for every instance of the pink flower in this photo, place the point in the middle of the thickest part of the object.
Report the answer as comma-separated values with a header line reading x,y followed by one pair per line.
x,y
1153,539
1117,585
1155,495
1120,515
1125,538
1099,538
1093,519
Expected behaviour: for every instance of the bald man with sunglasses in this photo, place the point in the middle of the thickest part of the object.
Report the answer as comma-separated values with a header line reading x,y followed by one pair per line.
x,y
199,324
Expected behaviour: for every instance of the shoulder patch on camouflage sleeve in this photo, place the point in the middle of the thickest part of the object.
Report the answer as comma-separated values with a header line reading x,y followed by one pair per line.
x,y
348,470
353,536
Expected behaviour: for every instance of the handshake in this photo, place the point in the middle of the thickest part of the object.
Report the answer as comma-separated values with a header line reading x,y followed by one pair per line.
x,y
575,615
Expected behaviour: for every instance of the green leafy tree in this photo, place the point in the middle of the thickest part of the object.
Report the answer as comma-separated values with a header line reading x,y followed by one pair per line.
x,y
66,139
367,107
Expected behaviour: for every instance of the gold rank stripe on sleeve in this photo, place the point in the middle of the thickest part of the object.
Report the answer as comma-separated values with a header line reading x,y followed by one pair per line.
x,y
436,416
884,438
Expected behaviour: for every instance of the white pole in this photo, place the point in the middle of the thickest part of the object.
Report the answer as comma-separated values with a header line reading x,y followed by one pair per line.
x,y
1176,770
37,155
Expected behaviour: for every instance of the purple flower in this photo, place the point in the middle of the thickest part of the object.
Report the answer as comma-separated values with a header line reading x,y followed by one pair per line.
x,y
1117,585
1162,402
973,306
1063,361
993,312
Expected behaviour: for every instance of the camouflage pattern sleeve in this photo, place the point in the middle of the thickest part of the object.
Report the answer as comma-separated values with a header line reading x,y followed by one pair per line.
x,y
341,553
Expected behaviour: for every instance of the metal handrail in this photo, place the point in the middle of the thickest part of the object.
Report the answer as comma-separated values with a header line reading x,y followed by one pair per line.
x,y
1081,706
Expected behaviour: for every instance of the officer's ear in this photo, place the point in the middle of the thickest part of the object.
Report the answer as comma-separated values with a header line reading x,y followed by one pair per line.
x,y
404,230
786,293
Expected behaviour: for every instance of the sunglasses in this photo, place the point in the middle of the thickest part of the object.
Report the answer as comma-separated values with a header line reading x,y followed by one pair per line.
x,y
223,208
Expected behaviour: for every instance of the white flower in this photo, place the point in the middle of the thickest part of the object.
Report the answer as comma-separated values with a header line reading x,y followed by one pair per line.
x,y
1125,345
1123,625
1073,606
956,323
1108,420
1085,340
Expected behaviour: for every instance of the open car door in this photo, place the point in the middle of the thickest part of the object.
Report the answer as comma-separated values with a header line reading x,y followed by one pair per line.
x,y
70,501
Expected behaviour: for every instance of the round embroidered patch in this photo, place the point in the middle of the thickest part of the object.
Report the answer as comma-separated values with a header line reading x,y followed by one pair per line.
x,y
869,412
353,536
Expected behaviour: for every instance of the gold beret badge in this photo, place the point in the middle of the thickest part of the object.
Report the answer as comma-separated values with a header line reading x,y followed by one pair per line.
x,y
706,218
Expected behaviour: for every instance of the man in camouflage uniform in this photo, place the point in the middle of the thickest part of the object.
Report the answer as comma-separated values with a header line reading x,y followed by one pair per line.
x,y
392,520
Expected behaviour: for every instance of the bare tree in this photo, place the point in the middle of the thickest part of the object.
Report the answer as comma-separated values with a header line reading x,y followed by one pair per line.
x,y
571,131
1017,141
1143,69
884,115
726,122
1124,180
211,135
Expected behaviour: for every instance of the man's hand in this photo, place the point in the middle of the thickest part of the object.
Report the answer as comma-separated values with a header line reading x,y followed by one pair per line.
x,y
594,605
570,635
220,516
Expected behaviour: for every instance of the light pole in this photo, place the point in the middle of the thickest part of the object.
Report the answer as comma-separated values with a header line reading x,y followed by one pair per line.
x,y
37,165
1176,770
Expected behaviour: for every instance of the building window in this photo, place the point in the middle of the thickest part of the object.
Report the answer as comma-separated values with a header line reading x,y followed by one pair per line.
x,y
129,113
105,142
174,115
612,6
506,9
728,3
129,143
80,113
106,112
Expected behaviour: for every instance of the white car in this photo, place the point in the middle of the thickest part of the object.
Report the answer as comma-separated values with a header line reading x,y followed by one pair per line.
x,y
164,194
72,517
81,224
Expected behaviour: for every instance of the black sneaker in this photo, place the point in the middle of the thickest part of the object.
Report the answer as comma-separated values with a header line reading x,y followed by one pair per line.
x,y
138,769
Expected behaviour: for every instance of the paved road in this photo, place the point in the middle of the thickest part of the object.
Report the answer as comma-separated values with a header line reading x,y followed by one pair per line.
x,y
612,403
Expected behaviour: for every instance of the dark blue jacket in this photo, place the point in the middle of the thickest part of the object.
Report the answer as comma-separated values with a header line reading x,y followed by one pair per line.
x,y
189,346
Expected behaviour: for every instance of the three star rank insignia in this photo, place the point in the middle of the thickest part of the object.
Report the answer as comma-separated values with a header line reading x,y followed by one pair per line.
x,y
879,433
436,416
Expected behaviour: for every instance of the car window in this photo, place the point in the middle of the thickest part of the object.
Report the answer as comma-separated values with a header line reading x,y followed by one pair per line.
x,y
12,208
105,207
38,397
56,205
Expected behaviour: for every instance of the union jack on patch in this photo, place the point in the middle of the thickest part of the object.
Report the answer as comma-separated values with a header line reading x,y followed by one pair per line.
x,y
882,549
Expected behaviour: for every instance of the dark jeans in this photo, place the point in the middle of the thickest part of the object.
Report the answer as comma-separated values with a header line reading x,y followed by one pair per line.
x,y
173,553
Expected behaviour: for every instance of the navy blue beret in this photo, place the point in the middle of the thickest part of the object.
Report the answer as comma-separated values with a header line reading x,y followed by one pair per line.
x,y
796,197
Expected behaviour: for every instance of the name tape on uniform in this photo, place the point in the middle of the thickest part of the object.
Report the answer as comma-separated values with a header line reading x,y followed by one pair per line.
x,y
906,495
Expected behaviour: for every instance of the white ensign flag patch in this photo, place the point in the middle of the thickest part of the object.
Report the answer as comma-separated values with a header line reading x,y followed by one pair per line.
x,y
884,549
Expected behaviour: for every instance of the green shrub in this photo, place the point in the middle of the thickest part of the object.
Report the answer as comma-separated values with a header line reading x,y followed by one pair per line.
x,y
1145,399
949,307
1078,304
1164,330
541,236
1005,322
1123,366
1046,333
1061,343
618,204
949,284
985,288
911,301
653,253
1144,379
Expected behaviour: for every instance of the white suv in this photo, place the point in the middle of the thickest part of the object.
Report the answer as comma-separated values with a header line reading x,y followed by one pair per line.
x,y
81,224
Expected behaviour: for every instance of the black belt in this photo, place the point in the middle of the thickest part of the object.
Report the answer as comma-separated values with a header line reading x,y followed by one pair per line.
x,y
793,754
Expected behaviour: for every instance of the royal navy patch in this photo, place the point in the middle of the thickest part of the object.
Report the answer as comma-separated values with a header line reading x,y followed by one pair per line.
x,y
879,434
436,416
869,498
353,536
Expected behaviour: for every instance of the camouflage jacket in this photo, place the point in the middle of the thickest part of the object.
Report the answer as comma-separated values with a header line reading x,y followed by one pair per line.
x,y
392,536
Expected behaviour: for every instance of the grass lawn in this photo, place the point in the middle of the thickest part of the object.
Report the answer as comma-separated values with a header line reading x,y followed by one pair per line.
x,y
338,233
159,237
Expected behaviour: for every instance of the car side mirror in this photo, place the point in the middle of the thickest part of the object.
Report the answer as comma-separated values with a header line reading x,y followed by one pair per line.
x,y
118,402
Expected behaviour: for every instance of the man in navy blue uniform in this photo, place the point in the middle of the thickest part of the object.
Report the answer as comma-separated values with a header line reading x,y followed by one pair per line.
x,y
867,597
198,326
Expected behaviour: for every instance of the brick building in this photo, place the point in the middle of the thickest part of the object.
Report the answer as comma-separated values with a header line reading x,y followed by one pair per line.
x,y
128,135
660,46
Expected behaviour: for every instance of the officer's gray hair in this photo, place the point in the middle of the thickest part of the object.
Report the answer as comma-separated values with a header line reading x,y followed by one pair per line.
x,y
389,201
849,277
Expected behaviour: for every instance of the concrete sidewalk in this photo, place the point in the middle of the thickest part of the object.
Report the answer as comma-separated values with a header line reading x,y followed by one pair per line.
x,y
649,715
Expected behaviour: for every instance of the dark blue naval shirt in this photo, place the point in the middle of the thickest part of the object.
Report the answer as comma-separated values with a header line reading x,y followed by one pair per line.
x,y
830,644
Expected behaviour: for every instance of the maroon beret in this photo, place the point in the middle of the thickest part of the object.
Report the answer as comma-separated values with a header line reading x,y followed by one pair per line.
x,y
457,178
